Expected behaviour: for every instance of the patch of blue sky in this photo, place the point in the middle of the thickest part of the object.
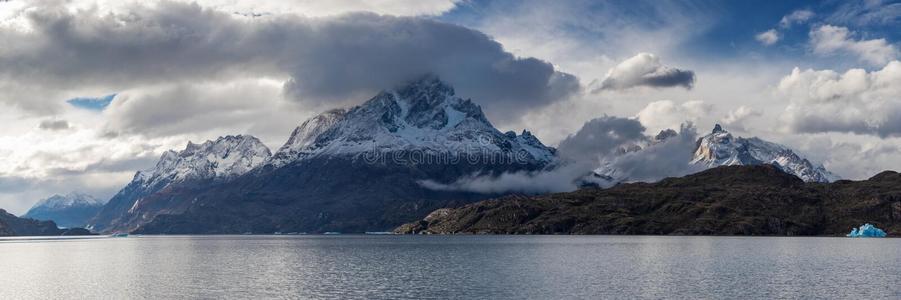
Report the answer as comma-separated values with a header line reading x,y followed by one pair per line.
x,y
714,30
92,103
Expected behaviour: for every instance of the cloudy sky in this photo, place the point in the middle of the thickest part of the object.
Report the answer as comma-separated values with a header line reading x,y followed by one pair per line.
x,y
91,91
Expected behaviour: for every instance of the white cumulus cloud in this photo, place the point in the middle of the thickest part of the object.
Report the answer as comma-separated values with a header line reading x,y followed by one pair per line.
x,y
667,114
856,101
738,117
828,40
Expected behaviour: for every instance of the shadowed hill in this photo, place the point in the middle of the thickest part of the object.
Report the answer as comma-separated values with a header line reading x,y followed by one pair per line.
x,y
732,200
10,225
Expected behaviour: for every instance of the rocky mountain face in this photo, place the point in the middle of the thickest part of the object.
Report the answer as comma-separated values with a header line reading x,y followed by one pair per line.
x,y
424,116
71,210
357,169
304,135
720,148
10,225
727,200
166,188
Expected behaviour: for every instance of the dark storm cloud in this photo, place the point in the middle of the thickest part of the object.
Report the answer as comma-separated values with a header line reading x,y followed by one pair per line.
x,y
645,69
328,61
599,138
670,77
368,52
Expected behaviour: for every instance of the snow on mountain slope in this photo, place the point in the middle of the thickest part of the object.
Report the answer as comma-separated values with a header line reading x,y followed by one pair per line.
x,y
720,148
68,200
424,115
305,134
224,158
70,210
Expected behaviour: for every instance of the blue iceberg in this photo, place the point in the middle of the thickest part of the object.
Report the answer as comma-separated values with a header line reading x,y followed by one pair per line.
x,y
867,230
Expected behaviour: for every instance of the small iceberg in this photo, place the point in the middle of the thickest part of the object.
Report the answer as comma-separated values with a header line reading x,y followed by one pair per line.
x,y
867,230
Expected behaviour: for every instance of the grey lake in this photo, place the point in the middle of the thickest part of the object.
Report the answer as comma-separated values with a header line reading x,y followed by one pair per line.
x,y
449,267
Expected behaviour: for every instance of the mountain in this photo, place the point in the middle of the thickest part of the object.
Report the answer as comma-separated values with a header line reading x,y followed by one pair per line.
x,y
358,169
162,189
720,148
304,135
71,210
10,225
424,116
726,200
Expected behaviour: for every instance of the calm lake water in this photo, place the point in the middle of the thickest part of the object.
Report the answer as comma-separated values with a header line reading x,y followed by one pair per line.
x,y
483,267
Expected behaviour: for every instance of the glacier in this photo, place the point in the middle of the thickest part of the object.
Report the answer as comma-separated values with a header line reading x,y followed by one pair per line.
x,y
866,230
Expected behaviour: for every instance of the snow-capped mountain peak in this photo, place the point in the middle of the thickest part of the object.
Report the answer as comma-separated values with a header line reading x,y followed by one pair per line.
x,y
226,157
219,160
424,114
71,210
304,135
69,200
720,148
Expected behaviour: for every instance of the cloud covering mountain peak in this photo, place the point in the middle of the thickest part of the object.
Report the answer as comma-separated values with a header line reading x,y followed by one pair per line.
x,y
91,45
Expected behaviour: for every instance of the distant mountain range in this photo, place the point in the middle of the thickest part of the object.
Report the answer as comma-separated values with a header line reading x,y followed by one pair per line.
x,y
10,225
727,200
348,170
359,169
70,210
721,148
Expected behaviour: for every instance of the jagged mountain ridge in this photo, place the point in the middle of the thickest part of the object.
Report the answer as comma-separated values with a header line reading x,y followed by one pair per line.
x,y
720,148
425,115
197,166
355,169
224,158
70,210
304,135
